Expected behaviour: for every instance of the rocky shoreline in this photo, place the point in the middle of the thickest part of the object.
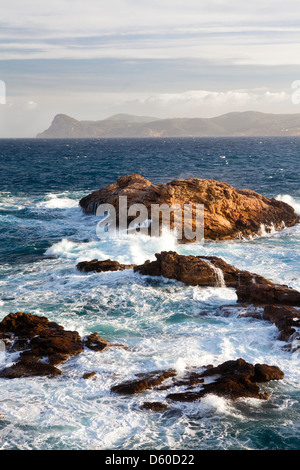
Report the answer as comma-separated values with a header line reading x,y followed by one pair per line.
x,y
280,304
41,345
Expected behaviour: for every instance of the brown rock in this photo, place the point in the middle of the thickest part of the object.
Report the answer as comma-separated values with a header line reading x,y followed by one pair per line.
x,y
286,318
268,294
102,266
197,270
23,324
144,382
265,373
154,406
95,342
41,340
43,344
27,368
229,213
55,344
233,379
88,375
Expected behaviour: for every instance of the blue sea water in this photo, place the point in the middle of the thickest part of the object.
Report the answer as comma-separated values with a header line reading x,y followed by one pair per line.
x,y
44,234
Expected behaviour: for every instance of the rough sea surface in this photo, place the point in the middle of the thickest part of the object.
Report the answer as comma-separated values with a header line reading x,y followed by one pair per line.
x,y
166,324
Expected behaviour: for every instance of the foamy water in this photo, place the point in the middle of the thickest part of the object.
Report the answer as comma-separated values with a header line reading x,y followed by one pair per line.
x,y
163,322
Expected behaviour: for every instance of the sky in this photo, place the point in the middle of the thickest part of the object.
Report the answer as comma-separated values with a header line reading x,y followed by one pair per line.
x,y
164,58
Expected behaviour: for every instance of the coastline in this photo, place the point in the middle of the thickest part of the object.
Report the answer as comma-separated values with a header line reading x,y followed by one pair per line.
x,y
166,323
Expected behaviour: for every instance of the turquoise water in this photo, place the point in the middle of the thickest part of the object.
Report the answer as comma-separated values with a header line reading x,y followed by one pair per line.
x,y
166,324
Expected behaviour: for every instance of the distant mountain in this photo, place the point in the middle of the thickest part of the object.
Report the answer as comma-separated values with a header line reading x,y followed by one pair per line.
x,y
131,118
248,123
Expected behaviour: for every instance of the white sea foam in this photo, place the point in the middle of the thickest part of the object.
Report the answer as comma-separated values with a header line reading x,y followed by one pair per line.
x,y
165,324
130,249
266,231
55,201
289,200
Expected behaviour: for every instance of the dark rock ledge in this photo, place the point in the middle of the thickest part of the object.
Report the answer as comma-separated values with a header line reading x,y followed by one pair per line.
x,y
42,345
232,379
198,270
102,266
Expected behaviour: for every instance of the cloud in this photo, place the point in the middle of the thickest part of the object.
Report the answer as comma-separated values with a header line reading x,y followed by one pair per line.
x,y
203,103
240,33
166,58
26,118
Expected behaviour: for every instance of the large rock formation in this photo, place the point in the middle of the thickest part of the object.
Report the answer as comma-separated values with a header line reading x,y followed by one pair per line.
x,y
229,213
198,270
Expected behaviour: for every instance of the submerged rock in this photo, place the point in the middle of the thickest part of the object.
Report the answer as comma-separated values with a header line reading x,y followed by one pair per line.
x,y
89,375
229,213
156,406
102,266
29,368
143,382
43,344
197,270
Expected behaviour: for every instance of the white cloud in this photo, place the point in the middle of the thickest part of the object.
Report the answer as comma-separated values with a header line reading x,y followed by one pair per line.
x,y
110,15
257,32
203,103
27,118
194,44
226,51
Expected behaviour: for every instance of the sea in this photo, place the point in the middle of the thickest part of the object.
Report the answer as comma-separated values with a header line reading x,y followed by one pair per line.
x,y
163,323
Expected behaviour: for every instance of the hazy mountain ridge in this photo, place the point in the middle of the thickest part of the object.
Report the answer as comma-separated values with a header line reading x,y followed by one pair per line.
x,y
248,123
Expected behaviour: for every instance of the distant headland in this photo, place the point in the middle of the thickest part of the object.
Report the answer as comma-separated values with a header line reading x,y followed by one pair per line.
x,y
239,124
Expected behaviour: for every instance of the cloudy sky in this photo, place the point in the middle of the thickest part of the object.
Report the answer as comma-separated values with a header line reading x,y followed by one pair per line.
x,y
165,58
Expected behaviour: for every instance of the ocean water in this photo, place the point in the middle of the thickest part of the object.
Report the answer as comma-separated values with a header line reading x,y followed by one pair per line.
x,y
164,323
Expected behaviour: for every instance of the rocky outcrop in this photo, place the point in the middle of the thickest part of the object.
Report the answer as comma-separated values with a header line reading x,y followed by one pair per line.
x,y
285,317
102,266
229,213
43,344
254,292
268,294
231,379
143,382
198,270
287,320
